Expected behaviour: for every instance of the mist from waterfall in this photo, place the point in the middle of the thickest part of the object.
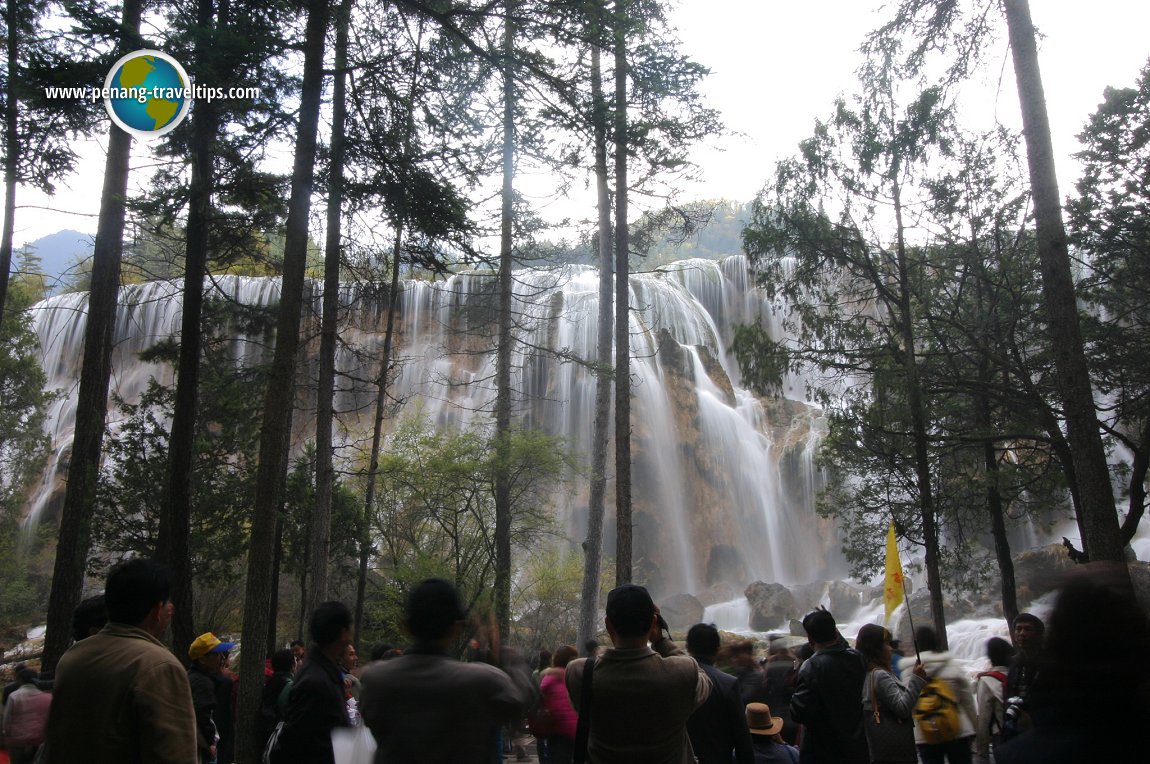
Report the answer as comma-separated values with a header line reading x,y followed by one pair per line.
x,y
724,481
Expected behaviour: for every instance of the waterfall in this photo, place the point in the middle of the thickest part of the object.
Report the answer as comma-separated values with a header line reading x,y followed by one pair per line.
x,y
723,479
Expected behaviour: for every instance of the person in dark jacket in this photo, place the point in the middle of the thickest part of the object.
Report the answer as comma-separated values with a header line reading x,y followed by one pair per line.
x,y
718,728
207,653
316,704
828,696
277,689
426,707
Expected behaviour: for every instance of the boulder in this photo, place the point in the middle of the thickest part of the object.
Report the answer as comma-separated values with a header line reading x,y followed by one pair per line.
x,y
718,592
682,611
771,605
843,600
1040,571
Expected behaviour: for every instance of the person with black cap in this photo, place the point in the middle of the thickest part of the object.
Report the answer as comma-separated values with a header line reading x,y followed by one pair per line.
x,y
766,736
426,707
641,696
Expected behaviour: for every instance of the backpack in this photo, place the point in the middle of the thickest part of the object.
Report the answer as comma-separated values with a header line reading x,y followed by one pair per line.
x,y
936,712
995,725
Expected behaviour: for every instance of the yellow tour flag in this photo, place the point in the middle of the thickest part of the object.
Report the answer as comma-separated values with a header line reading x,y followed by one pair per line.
x,y
893,592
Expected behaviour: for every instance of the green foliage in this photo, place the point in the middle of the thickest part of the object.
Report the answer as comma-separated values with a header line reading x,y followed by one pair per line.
x,y
546,597
1109,221
23,400
134,478
435,509
25,566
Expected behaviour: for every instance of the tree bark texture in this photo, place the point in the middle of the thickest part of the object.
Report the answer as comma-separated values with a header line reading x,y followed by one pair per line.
x,y
74,541
279,398
329,323
623,520
600,436
175,516
505,341
1102,540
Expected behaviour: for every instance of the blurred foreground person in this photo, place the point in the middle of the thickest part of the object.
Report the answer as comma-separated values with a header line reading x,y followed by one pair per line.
x,y
316,700
641,696
25,717
1090,705
121,696
426,707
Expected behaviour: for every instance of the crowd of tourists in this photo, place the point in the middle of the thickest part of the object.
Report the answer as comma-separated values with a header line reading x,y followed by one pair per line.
x,y
1050,695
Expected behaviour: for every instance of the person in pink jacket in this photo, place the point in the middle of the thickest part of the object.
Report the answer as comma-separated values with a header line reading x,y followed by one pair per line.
x,y
25,717
561,740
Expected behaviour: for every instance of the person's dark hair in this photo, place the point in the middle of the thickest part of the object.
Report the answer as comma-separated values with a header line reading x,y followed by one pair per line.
x,y
90,614
820,625
999,651
1031,619
282,660
926,639
26,675
630,610
703,639
379,651
297,643
543,660
134,587
433,607
590,647
804,651
328,621
564,654
870,641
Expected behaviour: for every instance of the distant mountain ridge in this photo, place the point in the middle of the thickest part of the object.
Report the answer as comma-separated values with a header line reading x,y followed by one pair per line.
x,y
59,253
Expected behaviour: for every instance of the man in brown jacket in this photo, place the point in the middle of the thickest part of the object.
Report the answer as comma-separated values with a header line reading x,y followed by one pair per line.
x,y
121,696
641,696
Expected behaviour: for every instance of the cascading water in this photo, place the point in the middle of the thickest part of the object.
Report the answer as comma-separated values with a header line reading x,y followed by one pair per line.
x,y
723,481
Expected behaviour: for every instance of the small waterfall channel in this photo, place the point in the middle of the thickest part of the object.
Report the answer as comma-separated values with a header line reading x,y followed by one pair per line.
x,y
723,480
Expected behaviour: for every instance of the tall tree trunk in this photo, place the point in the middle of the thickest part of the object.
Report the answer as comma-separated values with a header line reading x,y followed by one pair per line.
x,y
388,338
505,340
1102,539
917,407
281,386
74,540
175,516
985,421
11,145
600,436
623,521
325,396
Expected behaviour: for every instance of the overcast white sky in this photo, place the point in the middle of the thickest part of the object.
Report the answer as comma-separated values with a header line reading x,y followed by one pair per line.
x,y
777,65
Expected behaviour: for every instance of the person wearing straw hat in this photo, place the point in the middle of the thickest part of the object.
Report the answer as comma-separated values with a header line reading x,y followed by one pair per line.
x,y
766,737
